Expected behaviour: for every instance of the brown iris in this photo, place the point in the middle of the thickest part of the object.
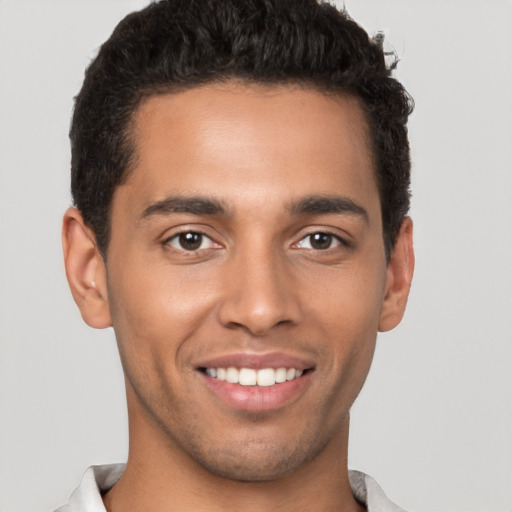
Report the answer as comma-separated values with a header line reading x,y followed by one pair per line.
x,y
321,241
190,241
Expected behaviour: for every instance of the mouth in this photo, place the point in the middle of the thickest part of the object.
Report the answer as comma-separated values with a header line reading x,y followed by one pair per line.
x,y
264,377
256,382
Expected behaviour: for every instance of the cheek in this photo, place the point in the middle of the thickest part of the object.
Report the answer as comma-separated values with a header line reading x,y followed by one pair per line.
x,y
350,299
349,317
155,309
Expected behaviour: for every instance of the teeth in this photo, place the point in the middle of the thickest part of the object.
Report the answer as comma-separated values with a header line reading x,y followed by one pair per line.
x,y
232,375
266,377
280,375
247,377
250,377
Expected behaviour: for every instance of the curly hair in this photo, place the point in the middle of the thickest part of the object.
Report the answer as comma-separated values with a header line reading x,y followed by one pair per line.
x,y
173,45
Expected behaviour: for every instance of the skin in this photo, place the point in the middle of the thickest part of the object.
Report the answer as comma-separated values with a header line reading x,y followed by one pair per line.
x,y
257,284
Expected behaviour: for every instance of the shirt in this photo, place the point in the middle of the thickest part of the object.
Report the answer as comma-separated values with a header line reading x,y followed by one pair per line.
x,y
98,480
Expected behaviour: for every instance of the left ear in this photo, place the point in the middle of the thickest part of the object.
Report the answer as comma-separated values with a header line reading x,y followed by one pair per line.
x,y
398,278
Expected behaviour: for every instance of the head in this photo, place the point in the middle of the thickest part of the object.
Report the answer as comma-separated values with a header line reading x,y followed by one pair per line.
x,y
174,45
241,174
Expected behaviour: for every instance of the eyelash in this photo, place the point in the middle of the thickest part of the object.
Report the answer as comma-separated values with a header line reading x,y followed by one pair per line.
x,y
332,238
177,236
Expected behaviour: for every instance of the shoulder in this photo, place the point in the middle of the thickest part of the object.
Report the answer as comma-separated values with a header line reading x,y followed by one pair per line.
x,y
366,490
96,481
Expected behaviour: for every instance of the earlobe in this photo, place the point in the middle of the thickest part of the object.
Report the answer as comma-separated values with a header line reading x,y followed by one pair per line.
x,y
398,279
85,270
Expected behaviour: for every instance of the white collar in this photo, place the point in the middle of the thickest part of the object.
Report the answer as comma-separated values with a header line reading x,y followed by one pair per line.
x,y
99,479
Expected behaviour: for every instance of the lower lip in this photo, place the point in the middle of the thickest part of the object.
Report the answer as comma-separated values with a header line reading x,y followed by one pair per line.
x,y
257,398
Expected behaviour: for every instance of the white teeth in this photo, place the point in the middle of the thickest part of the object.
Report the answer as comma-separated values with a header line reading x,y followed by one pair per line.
x,y
251,377
280,375
266,377
232,375
247,377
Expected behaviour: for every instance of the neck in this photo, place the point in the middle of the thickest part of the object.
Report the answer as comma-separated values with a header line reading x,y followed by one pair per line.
x,y
160,477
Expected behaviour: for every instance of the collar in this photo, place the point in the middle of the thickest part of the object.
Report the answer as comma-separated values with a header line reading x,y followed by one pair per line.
x,y
98,480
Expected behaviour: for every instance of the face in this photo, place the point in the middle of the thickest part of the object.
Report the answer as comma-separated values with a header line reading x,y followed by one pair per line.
x,y
246,274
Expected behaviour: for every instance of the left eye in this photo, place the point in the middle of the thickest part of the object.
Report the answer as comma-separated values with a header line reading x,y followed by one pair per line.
x,y
319,241
190,241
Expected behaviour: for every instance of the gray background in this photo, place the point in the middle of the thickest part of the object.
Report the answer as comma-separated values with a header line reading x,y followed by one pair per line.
x,y
434,422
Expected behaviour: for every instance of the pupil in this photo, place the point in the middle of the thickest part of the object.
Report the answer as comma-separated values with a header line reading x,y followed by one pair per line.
x,y
321,241
191,241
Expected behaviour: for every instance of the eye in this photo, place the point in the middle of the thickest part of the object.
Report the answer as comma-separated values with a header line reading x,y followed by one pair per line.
x,y
319,241
190,241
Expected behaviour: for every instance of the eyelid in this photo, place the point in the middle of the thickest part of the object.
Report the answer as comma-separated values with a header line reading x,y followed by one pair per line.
x,y
170,241
189,229
334,238
343,241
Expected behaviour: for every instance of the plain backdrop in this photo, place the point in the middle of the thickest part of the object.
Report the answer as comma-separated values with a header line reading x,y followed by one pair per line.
x,y
433,424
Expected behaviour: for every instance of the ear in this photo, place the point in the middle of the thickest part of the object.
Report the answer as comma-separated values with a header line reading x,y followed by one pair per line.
x,y
398,278
85,270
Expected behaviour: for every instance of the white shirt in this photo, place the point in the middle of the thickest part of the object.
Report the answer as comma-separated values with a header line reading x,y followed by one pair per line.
x,y
99,479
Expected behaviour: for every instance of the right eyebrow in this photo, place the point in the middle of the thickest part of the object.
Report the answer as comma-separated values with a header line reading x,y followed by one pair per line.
x,y
196,205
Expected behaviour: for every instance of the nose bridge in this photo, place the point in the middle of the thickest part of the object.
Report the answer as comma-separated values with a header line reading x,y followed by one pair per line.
x,y
259,294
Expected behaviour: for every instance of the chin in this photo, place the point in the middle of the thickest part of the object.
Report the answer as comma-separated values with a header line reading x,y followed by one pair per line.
x,y
252,469
258,460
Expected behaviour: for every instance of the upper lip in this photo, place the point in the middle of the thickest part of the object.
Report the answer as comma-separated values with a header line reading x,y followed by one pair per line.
x,y
257,361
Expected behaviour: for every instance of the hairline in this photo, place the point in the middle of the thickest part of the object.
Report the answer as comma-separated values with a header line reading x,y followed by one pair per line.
x,y
142,96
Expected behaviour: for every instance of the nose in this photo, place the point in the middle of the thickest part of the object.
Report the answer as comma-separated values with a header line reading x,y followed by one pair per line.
x,y
260,293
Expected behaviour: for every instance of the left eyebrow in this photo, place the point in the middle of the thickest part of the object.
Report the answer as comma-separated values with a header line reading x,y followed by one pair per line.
x,y
325,205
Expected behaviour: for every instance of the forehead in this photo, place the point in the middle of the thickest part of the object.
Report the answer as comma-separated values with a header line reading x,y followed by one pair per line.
x,y
222,138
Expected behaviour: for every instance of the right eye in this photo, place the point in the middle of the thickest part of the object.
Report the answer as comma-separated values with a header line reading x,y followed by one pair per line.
x,y
190,241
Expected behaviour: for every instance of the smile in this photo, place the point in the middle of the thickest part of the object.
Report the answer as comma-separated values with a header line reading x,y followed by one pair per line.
x,y
252,382
263,377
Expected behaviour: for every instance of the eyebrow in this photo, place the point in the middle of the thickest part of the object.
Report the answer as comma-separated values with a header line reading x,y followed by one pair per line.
x,y
325,205
195,205
199,205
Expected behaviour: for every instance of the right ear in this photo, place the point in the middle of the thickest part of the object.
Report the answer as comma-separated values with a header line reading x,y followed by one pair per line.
x,y
85,270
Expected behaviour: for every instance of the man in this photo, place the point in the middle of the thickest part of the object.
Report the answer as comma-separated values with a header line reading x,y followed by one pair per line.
x,y
240,171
